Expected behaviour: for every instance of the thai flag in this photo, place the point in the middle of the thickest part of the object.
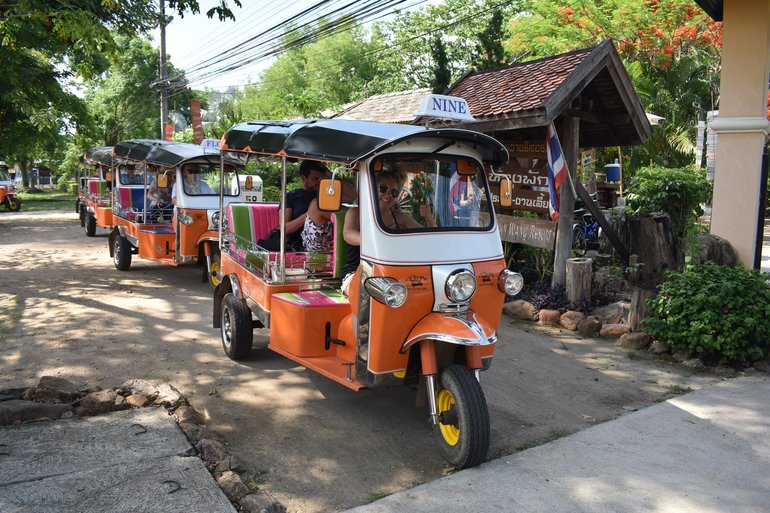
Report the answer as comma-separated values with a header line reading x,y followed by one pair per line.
x,y
557,170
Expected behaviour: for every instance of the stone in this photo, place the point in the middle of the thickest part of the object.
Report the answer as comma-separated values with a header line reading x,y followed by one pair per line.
x,y
190,415
591,325
13,393
680,355
139,386
609,314
760,365
138,400
51,389
570,319
549,317
233,486
16,411
90,389
29,394
211,451
613,330
261,502
712,248
98,402
231,462
193,432
520,310
635,341
168,395
659,347
694,364
725,371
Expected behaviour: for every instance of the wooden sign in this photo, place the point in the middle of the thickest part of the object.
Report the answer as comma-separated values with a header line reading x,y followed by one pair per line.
x,y
523,199
538,233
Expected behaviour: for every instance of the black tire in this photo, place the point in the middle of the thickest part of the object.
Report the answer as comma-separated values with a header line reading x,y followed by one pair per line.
x,y
90,224
214,278
82,215
13,204
77,206
121,253
236,327
463,430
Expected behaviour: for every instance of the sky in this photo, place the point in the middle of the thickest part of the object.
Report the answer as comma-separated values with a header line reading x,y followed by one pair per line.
x,y
194,38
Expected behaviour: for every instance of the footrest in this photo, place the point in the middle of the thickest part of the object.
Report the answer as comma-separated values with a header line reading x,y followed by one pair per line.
x,y
314,298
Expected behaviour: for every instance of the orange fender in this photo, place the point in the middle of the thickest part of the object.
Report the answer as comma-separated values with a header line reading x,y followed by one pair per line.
x,y
459,328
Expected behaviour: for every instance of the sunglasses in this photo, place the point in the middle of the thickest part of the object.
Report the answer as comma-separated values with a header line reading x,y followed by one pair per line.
x,y
393,192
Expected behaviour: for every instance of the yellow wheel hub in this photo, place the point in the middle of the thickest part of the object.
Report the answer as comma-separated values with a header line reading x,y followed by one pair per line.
x,y
449,432
215,273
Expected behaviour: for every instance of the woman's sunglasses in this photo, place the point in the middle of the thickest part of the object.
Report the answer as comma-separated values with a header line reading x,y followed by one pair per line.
x,y
393,192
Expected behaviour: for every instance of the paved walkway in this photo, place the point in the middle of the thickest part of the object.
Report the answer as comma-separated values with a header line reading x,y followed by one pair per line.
x,y
706,451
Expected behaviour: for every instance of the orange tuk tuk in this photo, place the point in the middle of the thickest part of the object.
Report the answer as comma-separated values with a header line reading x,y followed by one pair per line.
x,y
8,196
423,303
95,195
166,208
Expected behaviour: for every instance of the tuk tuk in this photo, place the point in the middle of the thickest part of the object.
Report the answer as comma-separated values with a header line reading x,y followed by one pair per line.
x,y
166,208
8,191
94,201
424,303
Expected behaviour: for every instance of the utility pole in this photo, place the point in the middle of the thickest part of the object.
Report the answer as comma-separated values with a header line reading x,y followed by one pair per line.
x,y
163,71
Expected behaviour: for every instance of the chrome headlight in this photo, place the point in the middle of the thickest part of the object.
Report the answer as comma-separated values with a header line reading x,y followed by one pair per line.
x,y
510,282
386,290
460,286
185,218
215,220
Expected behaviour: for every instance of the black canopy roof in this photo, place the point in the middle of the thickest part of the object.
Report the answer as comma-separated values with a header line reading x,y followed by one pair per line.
x,y
162,153
98,155
345,141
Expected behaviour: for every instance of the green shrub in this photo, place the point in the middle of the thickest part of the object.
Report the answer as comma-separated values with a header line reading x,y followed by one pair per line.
x,y
676,191
719,313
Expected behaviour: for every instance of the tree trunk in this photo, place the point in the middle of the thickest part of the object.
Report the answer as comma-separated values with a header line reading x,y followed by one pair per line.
x,y
639,308
651,238
578,280
568,137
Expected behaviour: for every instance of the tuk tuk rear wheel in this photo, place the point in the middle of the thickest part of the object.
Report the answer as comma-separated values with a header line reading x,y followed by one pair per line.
x,y
13,204
121,253
236,327
90,224
463,429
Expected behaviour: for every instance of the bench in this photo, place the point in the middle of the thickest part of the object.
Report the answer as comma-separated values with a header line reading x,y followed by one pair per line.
x,y
131,202
248,223
97,189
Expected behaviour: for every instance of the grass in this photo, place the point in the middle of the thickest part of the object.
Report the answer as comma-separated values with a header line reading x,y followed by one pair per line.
x,y
375,496
9,315
672,391
46,200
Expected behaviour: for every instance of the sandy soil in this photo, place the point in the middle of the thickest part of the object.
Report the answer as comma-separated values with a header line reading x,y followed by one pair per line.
x,y
66,311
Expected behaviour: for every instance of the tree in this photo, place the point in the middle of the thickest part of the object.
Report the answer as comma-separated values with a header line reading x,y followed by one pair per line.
x,y
490,49
441,73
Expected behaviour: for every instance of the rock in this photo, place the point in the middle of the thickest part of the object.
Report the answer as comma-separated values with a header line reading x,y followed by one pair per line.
x,y
635,341
193,432
680,355
16,411
724,371
659,347
231,462
98,402
29,394
521,310
694,364
571,319
211,451
613,330
190,415
712,248
589,326
261,502
91,389
51,389
168,395
605,280
139,386
609,314
549,317
233,486
760,365
138,400
13,393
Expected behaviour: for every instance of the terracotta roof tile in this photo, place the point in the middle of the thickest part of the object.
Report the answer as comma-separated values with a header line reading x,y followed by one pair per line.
x,y
388,108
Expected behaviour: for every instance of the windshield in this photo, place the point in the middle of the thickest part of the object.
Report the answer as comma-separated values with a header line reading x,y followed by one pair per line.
x,y
202,179
430,193
4,176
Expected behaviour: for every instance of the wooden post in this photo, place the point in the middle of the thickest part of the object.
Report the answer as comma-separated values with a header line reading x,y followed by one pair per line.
x,y
569,137
578,280
639,308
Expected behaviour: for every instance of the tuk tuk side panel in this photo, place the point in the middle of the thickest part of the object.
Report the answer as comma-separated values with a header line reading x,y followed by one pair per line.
x,y
389,327
488,300
190,234
104,217
157,242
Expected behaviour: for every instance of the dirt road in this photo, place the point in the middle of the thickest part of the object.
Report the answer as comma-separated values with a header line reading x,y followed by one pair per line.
x,y
66,311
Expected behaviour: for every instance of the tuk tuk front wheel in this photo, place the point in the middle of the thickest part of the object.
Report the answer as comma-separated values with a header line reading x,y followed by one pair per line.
x,y
13,204
463,429
121,253
214,277
90,224
236,327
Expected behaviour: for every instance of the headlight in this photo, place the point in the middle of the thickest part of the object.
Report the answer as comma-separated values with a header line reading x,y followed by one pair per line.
x,y
510,282
185,218
460,286
215,220
386,290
